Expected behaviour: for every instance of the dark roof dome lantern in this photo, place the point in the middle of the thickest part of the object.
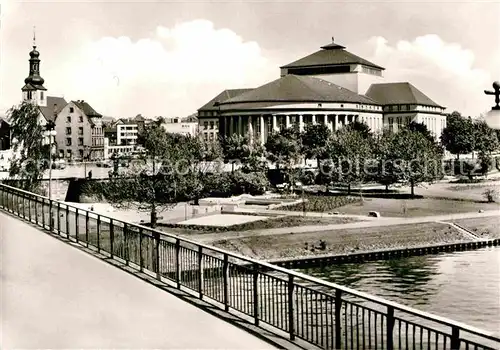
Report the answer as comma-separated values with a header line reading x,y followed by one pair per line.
x,y
333,46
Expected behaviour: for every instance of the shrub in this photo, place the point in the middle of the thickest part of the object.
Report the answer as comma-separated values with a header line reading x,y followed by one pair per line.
x,y
319,203
250,183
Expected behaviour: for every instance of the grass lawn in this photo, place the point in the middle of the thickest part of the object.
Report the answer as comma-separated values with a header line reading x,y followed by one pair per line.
x,y
488,227
414,207
284,221
342,241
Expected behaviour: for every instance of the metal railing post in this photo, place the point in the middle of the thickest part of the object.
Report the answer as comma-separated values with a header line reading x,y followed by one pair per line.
x,y
51,216
291,311
98,233
178,262
225,273
125,243
36,210
338,321
256,294
200,269
87,227
67,221
157,254
455,338
141,261
390,328
77,230
58,218
111,237
43,212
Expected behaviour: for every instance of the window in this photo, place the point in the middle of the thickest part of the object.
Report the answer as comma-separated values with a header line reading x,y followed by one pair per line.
x,y
81,153
30,95
68,119
80,119
205,125
400,122
80,130
69,154
71,109
41,95
68,131
68,141
80,141
211,125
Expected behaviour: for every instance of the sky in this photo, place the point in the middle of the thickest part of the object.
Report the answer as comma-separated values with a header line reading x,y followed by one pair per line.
x,y
169,58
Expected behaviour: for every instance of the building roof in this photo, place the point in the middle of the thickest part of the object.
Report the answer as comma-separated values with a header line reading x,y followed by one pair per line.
x,y
331,55
87,109
223,96
399,93
296,88
53,108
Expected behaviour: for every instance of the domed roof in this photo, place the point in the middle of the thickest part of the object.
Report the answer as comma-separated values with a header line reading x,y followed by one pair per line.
x,y
34,53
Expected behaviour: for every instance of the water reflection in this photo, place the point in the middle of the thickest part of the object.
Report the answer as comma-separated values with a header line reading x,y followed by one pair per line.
x,y
464,285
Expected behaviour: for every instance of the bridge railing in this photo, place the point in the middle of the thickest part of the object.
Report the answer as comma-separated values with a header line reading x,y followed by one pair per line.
x,y
321,313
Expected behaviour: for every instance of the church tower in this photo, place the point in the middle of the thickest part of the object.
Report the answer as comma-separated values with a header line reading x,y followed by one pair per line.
x,y
34,90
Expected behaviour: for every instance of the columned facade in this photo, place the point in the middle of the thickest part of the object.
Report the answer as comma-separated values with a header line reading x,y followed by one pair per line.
x,y
259,125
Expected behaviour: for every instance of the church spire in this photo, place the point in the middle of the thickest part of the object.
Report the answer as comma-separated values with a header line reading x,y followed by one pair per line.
x,y
34,89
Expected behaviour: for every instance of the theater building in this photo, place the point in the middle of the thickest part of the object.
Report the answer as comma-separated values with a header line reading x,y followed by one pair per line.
x,y
331,86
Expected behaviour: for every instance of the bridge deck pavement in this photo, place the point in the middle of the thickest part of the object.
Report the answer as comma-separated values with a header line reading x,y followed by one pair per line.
x,y
57,297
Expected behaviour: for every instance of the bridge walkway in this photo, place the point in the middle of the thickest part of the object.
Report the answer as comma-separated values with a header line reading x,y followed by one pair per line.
x,y
56,297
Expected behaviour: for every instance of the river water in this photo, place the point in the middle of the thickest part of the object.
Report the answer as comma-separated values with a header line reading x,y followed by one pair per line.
x,y
462,286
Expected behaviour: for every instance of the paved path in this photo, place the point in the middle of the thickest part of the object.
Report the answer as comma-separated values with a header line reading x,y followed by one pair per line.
x,y
391,221
56,297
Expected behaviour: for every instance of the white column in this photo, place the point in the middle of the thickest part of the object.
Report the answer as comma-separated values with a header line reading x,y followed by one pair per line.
x,y
301,122
287,121
313,119
262,136
240,126
337,122
250,129
275,123
328,122
231,125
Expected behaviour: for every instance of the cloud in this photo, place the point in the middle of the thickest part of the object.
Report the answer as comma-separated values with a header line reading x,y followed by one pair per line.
x,y
443,71
173,72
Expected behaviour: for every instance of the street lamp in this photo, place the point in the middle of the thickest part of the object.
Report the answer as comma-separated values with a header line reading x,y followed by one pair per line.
x,y
50,133
492,118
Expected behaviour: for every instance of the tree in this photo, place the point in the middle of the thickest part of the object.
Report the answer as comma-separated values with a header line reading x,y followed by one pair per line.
x,y
383,170
314,141
155,182
485,138
349,153
458,136
239,149
421,128
283,149
31,154
361,127
412,158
